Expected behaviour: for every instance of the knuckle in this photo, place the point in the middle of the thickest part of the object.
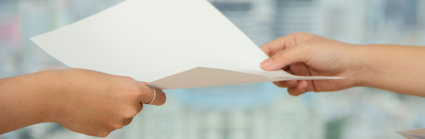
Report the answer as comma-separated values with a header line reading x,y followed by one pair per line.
x,y
292,92
119,125
127,121
129,113
102,134
96,131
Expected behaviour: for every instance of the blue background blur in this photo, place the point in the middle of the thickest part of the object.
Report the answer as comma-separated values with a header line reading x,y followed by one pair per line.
x,y
244,111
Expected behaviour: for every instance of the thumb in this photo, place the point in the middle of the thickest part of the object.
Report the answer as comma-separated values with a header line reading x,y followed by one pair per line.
x,y
286,57
152,96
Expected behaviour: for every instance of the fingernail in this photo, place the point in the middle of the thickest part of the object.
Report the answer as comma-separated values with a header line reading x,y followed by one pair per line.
x,y
267,64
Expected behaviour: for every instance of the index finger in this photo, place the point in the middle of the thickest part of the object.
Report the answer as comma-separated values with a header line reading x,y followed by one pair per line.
x,y
279,44
285,42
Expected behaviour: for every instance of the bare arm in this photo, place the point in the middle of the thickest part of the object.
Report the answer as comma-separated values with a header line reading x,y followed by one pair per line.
x,y
23,102
84,101
395,68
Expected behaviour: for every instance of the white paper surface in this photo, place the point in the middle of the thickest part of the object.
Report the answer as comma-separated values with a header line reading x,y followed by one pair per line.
x,y
168,43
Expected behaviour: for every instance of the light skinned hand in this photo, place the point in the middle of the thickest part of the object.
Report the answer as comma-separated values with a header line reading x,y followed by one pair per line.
x,y
83,101
96,104
311,55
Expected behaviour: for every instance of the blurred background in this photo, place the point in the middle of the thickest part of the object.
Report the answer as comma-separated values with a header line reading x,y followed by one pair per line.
x,y
253,111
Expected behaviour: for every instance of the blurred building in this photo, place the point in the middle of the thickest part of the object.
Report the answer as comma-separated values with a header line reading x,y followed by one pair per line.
x,y
296,16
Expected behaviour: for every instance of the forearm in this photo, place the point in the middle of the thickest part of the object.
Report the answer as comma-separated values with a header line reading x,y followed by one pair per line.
x,y
23,101
395,68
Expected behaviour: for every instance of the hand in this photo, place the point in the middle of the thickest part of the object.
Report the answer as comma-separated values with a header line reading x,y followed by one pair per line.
x,y
311,55
96,103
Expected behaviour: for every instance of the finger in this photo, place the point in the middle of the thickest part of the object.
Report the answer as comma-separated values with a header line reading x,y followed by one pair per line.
x,y
140,107
160,98
279,44
271,47
303,70
300,89
127,121
148,95
286,57
284,42
286,84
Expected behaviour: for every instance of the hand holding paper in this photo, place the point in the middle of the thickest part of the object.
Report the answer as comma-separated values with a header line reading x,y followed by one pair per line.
x,y
311,55
181,44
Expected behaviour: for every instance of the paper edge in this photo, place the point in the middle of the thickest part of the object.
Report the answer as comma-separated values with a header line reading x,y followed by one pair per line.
x,y
277,78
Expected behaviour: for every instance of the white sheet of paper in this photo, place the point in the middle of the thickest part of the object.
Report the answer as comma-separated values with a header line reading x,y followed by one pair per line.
x,y
169,43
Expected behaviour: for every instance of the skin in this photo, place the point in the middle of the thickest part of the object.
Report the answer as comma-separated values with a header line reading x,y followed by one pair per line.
x,y
83,101
395,68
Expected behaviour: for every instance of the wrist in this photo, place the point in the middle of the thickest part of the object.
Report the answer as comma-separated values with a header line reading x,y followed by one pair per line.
x,y
47,94
368,61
